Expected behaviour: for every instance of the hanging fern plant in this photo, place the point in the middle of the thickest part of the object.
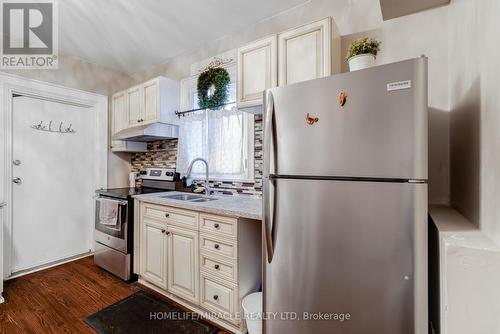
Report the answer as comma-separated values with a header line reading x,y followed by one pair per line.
x,y
212,87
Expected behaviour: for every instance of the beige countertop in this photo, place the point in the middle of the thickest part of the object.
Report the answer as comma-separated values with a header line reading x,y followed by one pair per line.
x,y
234,206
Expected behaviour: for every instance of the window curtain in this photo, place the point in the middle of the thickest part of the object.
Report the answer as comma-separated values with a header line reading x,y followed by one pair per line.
x,y
215,135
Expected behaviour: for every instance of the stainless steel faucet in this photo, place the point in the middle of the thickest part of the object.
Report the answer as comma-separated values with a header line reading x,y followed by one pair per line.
x,y
188,173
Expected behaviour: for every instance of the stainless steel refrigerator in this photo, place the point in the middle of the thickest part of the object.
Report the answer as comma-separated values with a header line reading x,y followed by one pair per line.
x,y
345,203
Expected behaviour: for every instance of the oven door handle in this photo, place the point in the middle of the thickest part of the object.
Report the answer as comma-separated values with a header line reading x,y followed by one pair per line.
x,y
120,201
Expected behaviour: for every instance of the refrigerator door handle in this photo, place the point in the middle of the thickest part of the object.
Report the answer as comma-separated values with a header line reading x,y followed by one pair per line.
x,y
268,217
269,136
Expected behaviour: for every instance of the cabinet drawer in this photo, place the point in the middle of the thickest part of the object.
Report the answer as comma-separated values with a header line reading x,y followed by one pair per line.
x,y
218,267
172,216
223,226
218,246
218,296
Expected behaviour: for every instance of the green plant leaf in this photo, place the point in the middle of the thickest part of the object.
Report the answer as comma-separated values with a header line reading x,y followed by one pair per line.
x,y
219,77
363,46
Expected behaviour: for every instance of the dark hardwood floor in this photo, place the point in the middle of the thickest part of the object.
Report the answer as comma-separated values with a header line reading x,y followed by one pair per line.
x,y
58,299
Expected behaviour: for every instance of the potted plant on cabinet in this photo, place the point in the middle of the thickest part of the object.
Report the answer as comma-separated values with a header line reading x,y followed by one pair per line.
x,y
362,52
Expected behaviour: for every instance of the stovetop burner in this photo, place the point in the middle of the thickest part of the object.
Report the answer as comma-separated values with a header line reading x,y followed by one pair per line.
x,y
154,180
128,193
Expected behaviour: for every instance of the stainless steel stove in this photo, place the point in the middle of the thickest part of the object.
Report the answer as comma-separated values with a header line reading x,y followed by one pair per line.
x,y
114,241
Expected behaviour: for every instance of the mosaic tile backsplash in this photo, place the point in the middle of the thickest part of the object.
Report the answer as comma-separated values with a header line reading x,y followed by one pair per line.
x,y
163,153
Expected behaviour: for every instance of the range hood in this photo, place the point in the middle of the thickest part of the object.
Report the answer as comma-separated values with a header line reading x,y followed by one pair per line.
x,y
148,132
396,8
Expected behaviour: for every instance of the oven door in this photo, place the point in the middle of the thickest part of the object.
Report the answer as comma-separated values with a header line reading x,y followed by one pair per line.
x,y
114,236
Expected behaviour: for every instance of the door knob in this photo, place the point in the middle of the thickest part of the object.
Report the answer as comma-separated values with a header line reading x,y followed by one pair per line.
x,y
16,162
17,180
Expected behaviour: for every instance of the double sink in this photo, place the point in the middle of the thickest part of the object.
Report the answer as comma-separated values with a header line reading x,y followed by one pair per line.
x,y
190,198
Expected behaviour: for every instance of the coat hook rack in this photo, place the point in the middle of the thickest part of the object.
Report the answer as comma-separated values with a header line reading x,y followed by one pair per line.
x,y
48,127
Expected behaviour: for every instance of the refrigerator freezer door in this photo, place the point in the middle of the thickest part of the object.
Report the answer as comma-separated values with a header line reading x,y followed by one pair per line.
x,y
378,130
357,248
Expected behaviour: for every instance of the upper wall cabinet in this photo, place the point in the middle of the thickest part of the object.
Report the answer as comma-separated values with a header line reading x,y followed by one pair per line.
x,y
151,102
308,52
119,122
133,98
305,52
257,70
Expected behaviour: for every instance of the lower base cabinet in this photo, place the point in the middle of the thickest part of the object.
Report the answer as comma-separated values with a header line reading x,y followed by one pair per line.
x,y
218,295
153,253
209,263
183,264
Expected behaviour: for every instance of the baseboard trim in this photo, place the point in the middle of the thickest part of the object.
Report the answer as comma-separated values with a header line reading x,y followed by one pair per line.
x,y
48,265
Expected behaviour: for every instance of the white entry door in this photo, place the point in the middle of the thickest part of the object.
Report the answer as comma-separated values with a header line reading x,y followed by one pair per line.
x,y
53,173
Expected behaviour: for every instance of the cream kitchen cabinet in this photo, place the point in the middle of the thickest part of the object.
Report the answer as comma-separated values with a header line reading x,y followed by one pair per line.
x,y
257,70
212,262
159,99
153,101
183,263
134,109
119,122
154,252
305,52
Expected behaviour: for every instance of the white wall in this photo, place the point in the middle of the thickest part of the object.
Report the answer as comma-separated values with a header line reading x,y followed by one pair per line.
x,y
475,111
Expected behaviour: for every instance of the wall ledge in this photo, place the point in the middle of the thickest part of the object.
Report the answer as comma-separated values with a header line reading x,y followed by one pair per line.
x,y
456,230
468,275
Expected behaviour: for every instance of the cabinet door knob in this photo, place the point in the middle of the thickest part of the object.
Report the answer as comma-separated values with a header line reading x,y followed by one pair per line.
x,y
138,121
217,266
216,297
216,246
167,215
216,225
167,233
163,231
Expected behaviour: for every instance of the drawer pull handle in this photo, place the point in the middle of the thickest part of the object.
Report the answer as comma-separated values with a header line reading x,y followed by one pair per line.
x,y
167,215
217,266
216,297
216,225
216,246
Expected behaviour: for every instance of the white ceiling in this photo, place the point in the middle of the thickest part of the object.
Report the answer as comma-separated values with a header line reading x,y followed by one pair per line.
x,y
132,35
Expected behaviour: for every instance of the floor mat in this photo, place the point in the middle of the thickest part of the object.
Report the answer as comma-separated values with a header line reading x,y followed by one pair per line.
x,y
145,314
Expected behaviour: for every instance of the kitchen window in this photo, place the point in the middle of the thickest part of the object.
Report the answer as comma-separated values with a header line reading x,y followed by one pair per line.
x,y
224,137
